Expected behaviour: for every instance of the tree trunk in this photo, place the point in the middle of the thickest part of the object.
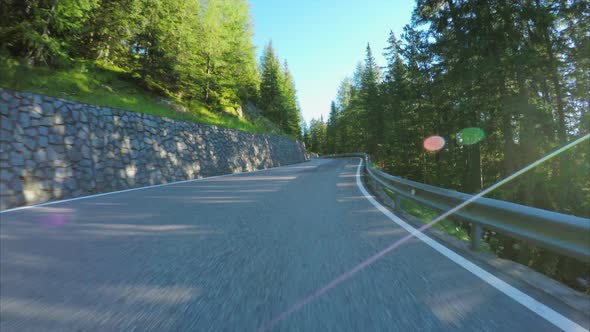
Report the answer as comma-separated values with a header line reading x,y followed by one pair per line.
x,y
564,179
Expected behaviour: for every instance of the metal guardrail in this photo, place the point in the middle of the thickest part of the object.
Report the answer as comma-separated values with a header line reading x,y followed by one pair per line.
x,y
562,233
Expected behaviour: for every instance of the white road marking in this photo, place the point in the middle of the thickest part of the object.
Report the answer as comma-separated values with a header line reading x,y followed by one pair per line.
x,y
537,307
135,189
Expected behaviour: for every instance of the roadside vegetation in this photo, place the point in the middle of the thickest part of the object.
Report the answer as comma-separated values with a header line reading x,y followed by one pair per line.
x,y
109,86
188,60
471,93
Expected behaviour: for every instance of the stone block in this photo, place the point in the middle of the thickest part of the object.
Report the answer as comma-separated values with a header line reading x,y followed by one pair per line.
x,y
6,176
30,143
58,129
63,172
6,136
56,139
13,103
4,109
16,184
32,132
5,123
18,130
46,121
42,141
69,140
71,184
82,133
98,143
72,130
85,151
52,154
5,96
86,163
57,119
74,155
16,159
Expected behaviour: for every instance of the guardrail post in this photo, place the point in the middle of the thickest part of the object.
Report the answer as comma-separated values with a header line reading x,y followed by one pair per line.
x,y
398,204
475,236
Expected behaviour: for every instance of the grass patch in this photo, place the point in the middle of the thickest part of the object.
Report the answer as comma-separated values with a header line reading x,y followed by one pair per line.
x,y
110,86
426,215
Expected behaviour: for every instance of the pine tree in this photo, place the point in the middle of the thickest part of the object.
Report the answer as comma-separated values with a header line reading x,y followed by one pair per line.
x,y
394,93
270,85
42,32
370,102
317,136
332,129
229,66
106,36
278,99
289,107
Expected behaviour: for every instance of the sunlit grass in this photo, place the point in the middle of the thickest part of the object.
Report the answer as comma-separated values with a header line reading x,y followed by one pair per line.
x,y
106,85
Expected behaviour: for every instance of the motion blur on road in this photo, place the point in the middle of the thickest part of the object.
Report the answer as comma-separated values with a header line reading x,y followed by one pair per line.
x,y
232,253
476,114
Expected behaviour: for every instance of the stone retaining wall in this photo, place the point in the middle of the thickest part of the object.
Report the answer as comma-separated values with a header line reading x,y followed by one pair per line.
x,y
53,148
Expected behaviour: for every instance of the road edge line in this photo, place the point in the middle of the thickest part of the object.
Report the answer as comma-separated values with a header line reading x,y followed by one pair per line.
x,y
527,301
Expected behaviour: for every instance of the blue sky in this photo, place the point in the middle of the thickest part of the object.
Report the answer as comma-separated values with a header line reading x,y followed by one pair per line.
x,y
323,40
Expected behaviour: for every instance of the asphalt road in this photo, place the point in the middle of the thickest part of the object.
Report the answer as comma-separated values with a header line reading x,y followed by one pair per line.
x,y
230,254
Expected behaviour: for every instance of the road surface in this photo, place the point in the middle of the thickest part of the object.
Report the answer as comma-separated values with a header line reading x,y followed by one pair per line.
x,y
231,254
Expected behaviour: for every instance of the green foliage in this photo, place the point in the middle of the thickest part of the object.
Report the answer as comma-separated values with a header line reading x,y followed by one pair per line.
x,y
270,92
426,215
194,51
514,73
289,104
332,132
490,78
112,87
106,33
369,99
228,66
315,136
278,99
42,31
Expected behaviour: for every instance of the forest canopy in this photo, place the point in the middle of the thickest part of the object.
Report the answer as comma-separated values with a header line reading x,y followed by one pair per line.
x,y
473,91
190,50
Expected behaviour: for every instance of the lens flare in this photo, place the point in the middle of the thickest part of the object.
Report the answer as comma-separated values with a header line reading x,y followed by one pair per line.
x,y
470,136
54,220
434,143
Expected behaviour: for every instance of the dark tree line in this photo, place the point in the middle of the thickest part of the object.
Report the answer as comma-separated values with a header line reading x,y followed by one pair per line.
x,y
315,136
190,49
518,70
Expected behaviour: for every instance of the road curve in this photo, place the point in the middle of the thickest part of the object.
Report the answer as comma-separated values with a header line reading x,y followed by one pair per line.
x,y
231,254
